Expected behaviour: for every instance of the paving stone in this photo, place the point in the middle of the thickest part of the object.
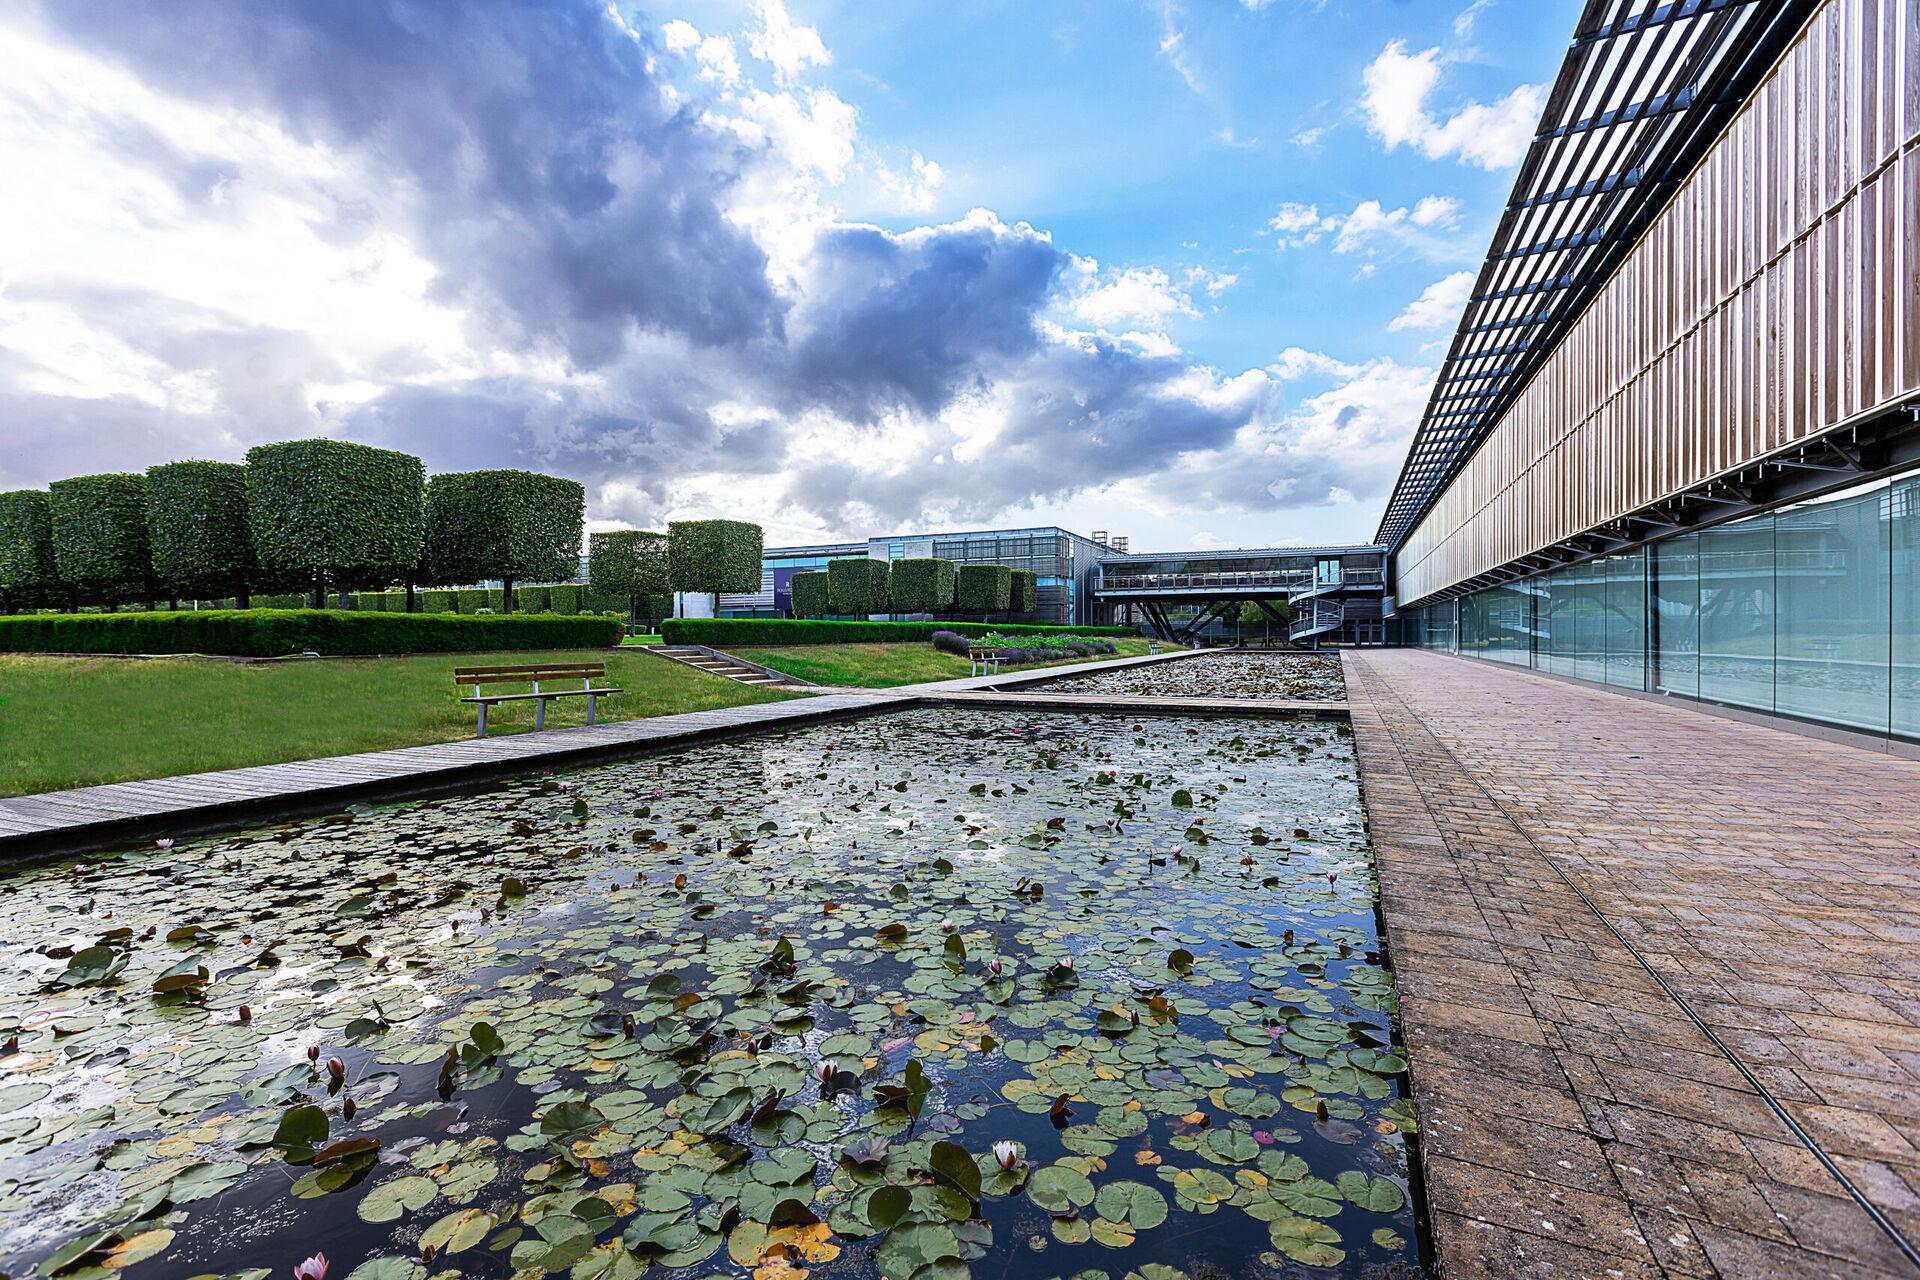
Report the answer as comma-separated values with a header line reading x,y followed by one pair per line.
x,y
1767,879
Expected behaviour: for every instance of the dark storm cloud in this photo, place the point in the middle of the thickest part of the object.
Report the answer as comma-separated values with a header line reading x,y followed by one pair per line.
x,y
551,179
911,319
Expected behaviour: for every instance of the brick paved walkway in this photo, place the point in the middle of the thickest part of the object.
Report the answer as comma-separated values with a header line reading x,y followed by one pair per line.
x,y
1577,1123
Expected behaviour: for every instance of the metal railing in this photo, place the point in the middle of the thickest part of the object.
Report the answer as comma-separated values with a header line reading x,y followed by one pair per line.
x,y
1317,616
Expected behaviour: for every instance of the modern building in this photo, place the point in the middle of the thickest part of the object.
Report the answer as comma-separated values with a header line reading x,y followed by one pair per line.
x,y
1675,443
1065,562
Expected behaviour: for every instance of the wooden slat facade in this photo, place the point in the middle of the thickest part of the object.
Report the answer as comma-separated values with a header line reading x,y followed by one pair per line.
x,y
1776,298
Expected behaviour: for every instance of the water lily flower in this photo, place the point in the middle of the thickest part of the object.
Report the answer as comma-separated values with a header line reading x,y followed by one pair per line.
x,y
993,966
313,1053
336,1069
1262,1137
314,1268
1006,1154
165,842
348,1107
825,1070
946,926
1246,859
1332,876
1066,962
246,1013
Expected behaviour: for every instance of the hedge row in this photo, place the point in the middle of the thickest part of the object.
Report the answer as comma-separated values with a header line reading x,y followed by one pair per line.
x,y
724,633
265,633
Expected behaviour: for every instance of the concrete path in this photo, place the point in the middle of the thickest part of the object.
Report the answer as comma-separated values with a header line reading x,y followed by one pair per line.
x,y
1578,1121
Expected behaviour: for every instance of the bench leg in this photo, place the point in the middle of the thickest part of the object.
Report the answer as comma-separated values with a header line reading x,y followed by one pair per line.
x,y
590,701
483,720
539,715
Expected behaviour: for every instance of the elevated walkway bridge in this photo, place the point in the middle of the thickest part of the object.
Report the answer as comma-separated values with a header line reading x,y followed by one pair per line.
x,y
1314,593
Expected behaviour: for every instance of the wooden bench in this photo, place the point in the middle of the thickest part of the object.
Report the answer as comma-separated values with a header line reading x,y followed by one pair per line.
x,y
584,672
985,659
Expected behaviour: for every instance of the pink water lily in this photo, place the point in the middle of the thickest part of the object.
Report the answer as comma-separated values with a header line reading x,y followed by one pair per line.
x,y
825,1070
336,1069
1262,1137
993,966
313,1053
163,843
314,1268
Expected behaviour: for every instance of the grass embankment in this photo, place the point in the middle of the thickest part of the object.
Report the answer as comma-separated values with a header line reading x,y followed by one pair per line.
x,y
883,666
74,722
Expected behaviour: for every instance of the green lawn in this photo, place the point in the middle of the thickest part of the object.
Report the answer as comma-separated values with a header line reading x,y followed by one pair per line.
x,y
881,666
73,722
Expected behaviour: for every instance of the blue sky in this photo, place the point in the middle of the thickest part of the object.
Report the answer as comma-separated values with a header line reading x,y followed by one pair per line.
x,y
1177,271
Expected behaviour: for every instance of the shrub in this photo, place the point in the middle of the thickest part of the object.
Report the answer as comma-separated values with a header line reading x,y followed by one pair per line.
x,y
201,530
564,598
726,633
923,585
810,594
512,525
28,576
984,588
100,540
857,586
437,602
267,632
949,642
713,555
630,564
1023,594
328,511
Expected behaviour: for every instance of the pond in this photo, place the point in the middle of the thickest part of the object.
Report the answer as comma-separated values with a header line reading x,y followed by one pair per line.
x,y
918,996
1311,677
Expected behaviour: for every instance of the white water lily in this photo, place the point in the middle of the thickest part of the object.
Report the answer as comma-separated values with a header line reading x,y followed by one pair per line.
x,y
1006,1154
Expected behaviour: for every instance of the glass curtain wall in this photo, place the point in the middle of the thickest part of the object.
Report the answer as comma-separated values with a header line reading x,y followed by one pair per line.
x,y
1811,612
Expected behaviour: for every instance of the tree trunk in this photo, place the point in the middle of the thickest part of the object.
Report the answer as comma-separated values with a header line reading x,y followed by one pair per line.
x,y
245,599
409,595
173,603
633,613
345,601
319,588
506,595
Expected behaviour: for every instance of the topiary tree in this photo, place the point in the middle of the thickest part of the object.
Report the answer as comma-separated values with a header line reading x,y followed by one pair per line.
x,y
984,588
28,574
516,526
325,511
712,556
923,586
100,540
631,563
201,529
810,594
1023,591
857,586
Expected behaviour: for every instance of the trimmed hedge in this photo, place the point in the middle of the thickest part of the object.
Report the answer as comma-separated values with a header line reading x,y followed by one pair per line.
x,y
810,594
857,586
1024,595
923,585
100,539
514,526
724,633
984,588
201,528
263,633
27,573
325,507
713,555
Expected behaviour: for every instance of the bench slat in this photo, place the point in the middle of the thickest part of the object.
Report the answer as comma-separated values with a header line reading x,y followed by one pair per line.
x,y
528,677
543,695
525,667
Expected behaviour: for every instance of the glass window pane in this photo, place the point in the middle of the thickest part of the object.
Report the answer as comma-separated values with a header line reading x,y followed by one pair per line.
x,y
1626,619
1736,614
1903,527
1830,567
1675,565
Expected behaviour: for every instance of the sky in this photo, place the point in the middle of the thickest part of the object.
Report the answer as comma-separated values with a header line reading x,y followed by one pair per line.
x,y
1182,272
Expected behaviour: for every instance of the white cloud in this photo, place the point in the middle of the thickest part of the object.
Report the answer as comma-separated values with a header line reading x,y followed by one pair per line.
x,y
1436,211
778,40
1439,305
679,35
1298,225
1397,85
1309,138
912,191
1203,540
1135,294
